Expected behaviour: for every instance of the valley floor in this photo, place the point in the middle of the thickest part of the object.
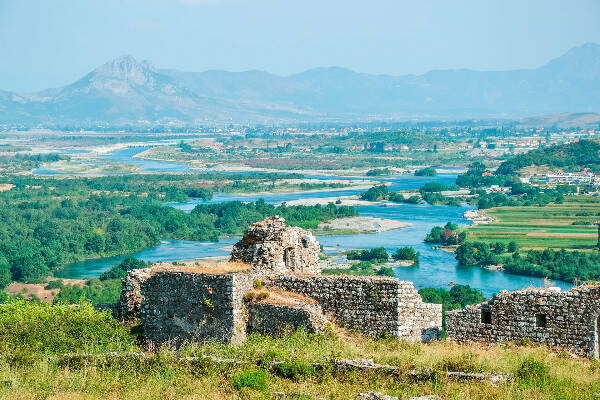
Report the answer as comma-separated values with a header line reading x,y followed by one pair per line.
x,y
570,225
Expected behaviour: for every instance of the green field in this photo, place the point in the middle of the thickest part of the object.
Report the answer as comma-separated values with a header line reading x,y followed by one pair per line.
x,y
550,226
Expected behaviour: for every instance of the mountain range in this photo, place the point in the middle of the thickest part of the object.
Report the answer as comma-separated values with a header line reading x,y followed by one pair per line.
x,y
125,91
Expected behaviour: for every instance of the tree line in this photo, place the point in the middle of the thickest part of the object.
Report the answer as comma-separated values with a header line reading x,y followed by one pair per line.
x,y
48,223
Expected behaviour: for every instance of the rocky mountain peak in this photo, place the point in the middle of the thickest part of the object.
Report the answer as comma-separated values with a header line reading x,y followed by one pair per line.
x,y
128,69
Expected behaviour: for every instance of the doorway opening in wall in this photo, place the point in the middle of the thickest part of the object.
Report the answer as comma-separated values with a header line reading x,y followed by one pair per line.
x,y
486,317
541,321
289,257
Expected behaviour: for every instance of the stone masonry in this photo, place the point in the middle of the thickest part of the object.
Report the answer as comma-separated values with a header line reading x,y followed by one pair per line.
x,y
375,306
177,304
272,247
569,320
277,318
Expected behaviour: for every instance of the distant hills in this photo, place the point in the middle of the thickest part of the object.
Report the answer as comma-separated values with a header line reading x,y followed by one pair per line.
x,y
125,91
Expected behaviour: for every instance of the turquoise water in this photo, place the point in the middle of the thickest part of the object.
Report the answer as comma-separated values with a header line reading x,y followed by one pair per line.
x,y
436,269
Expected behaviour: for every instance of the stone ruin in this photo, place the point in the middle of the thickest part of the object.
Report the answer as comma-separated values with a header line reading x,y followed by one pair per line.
x,y
568,320
271,285
272,247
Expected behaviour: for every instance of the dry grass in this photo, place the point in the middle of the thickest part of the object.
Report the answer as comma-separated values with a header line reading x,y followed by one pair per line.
x,y
220,268
281,297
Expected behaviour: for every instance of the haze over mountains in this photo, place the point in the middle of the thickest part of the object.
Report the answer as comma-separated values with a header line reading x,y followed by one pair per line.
x,y
125,91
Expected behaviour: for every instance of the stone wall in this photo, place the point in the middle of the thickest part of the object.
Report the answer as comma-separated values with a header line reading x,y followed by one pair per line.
x,y
278,319
207,303
180,305
375,306
271,247
568,319
131,298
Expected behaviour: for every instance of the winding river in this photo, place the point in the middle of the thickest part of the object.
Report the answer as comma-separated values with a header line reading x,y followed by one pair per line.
x,y
436,269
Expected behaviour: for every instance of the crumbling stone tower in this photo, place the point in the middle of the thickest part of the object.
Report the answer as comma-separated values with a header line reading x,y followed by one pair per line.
x,y
272,247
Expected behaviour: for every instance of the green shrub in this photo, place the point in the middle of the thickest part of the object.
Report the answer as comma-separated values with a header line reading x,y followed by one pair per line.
x,y
406,253
532,371
95,291
385,271
28,327
262,296
208,304
55,284
257,284
120,271
256,379
295,370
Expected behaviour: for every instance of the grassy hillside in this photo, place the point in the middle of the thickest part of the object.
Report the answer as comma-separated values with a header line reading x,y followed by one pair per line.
x,y
34,339
569,157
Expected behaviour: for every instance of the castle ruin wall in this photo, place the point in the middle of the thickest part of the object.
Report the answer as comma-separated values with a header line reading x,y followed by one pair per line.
x,y
277,320
182,306
376,306
569,320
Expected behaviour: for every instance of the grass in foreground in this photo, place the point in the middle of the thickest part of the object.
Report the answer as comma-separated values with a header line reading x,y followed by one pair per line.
x,y
34,336
551,226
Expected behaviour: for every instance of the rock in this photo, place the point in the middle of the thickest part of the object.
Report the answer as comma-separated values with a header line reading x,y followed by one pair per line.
x,y
374,396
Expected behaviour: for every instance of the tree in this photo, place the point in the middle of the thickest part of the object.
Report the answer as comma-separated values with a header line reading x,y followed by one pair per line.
x,y
512,247
406,253
499,247
120,271
5,276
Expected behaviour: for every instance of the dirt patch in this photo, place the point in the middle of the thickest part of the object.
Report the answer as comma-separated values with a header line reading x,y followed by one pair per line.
x,y
6,186
364,224
219,268
28,290
562,234
280,297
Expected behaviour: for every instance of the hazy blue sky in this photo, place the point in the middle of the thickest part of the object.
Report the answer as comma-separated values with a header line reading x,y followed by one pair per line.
x,y
49,43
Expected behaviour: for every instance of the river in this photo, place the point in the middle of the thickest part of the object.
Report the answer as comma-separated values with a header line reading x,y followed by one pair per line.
x,y
436,269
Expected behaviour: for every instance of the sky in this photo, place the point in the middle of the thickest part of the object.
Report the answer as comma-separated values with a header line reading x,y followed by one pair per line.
x,y
51,43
